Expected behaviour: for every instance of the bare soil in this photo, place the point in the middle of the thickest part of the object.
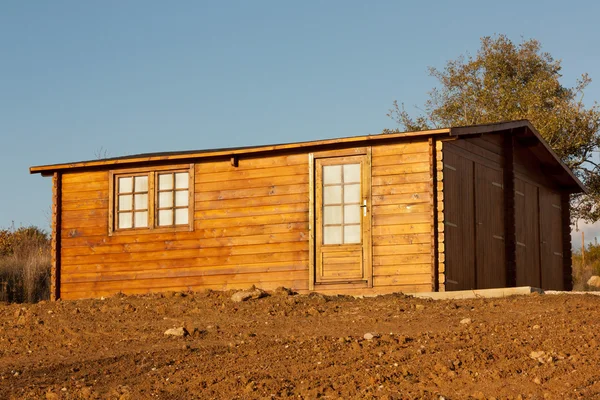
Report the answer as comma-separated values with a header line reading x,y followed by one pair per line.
x,y
301,346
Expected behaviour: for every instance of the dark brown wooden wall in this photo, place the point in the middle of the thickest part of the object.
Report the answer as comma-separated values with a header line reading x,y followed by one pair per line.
x,y
541,260
474,196
474,208
527,220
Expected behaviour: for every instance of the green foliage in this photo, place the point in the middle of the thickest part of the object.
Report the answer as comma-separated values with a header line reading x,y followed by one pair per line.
x,y
507,81
24,264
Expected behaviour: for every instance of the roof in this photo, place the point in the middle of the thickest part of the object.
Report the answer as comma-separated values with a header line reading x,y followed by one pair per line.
x,y
522,129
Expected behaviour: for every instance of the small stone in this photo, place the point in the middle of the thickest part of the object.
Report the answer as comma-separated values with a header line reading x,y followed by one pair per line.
x,y
537,381
253,294
466,321
50,312
369,336
179,332
535,327
419,307
51,396
537,355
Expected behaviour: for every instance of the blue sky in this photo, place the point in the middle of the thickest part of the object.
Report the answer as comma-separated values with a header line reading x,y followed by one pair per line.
x,y
124,77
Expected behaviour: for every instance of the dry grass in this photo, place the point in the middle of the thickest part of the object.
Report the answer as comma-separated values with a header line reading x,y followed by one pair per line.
x,y
583,272
24,265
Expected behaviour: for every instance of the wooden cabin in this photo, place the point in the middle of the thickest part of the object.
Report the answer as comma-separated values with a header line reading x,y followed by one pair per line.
x,y
448,209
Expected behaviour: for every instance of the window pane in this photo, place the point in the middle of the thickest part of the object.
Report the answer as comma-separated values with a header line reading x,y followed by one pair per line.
x,y
352,193
125,220
125,202
352,234
141,201
126,185
181,216
165,217
165,181
332,195
352,214
182,180
181,198
165,199
332,174
141,219
352,173
332,235
332,215
141,183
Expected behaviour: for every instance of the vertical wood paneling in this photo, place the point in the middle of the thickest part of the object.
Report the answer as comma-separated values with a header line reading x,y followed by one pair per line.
x,y
459,234
551,217
509,208
489,219
527,234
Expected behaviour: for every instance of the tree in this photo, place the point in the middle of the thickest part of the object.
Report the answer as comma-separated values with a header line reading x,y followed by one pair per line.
x,y
507,81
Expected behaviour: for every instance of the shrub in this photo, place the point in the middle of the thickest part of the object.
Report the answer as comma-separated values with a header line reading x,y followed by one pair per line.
x,y
581,272
24,264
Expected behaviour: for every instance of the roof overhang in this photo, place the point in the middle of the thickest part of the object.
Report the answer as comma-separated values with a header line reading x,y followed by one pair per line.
x,y
528,136
47,170
525,133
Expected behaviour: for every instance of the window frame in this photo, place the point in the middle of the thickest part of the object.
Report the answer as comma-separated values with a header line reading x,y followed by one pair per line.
x,y
152,173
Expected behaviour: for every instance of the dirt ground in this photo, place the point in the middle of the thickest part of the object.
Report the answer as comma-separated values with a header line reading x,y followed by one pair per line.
x,y
301,346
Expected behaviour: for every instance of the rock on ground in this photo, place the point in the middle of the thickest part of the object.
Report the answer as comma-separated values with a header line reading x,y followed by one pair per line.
x,y
248,295
180,332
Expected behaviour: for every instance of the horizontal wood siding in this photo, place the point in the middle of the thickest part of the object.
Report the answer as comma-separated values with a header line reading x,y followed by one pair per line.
x,y
250,227
402,217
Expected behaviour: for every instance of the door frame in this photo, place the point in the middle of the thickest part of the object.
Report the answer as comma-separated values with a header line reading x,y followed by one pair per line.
x,y
367,235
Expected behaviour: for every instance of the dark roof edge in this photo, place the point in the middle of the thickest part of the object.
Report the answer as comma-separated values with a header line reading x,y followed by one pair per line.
x,y
510,125
183,155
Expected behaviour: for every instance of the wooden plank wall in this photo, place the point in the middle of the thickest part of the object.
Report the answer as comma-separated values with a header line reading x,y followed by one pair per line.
x,y
527,234
251,226
439,250
402,217
459,221
489,231
541,225
551,239
55,244
474,213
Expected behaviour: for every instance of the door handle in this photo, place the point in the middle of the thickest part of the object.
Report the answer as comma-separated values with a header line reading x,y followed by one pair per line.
x,y
364,207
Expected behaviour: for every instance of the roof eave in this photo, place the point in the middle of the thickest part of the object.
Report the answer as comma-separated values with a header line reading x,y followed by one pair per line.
x,y
576,185
47,170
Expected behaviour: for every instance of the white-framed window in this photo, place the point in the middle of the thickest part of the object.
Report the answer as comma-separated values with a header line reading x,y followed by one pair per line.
x,y
151,199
